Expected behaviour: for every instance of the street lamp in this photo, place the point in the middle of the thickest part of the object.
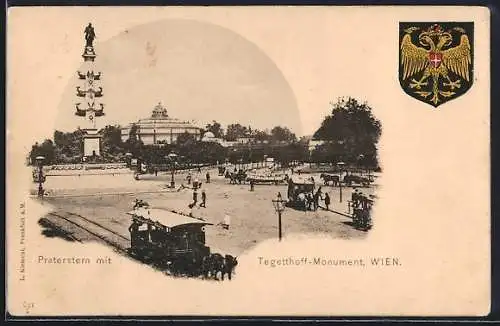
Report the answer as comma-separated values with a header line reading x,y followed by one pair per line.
x,y
341,165
172,157
41,177
279,207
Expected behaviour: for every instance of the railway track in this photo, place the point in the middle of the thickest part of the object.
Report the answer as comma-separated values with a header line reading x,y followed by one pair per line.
x,y
51,226
110,237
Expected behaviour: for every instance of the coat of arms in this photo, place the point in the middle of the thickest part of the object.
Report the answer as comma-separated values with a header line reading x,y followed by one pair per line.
x,y
436,60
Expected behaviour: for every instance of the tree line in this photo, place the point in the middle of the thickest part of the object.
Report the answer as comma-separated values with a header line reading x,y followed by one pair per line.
x,y
350,133
236,130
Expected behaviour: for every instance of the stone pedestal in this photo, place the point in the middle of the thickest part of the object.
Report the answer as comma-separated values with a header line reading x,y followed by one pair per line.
x,y
89,53
91,143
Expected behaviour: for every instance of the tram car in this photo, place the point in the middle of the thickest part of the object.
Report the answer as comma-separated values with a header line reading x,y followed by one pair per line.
x,y
168,239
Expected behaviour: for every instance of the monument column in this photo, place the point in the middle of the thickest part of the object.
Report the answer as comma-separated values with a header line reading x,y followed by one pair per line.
x,y
89,105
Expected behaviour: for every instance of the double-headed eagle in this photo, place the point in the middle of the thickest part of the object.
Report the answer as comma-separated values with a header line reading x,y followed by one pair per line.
x,y
435,61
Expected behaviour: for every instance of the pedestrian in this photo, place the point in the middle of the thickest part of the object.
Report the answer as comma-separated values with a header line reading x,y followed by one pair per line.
x,y
354,197
208,177
319,191
156,172
327,201
195,198
199,169
309,199
303,199
316,200
252,185
203,199
188,178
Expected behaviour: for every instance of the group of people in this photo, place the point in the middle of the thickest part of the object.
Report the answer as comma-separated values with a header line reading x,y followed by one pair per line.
x,y
361,205
360,200
203,202
311,200
196,182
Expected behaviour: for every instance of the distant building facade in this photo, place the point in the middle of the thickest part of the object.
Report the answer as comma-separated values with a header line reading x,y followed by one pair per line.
x,y
161,129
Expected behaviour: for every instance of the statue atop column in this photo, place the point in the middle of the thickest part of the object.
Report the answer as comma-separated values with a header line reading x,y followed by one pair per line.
x,y
89,35
89,95
89,52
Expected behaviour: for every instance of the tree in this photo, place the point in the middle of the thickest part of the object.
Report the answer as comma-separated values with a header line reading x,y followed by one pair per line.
x,y
279,134
215,128
186,145
68,146
112,139
209,152
351,131
235,131
47,149
261,135
133,144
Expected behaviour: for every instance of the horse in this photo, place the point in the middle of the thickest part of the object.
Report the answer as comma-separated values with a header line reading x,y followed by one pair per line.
x,y
335,179
207,267
233,178
230,263
214,264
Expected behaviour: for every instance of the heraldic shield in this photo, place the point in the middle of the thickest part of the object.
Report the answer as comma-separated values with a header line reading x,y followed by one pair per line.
x,y
436,60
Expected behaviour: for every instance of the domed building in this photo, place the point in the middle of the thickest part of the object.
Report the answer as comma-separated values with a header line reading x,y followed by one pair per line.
x,y
208,137
161,129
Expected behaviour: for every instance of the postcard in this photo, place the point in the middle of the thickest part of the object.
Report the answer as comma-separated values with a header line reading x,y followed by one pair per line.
x,y
248,161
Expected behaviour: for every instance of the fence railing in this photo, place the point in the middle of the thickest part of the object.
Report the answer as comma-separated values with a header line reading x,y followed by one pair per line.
x,y
101,166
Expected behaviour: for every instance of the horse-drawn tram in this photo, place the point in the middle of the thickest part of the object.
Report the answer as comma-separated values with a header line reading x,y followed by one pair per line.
x,y
168,239
176,243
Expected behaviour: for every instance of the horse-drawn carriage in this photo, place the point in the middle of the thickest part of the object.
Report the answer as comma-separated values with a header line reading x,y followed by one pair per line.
x,y
351,179
298,187
327,178
168,239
